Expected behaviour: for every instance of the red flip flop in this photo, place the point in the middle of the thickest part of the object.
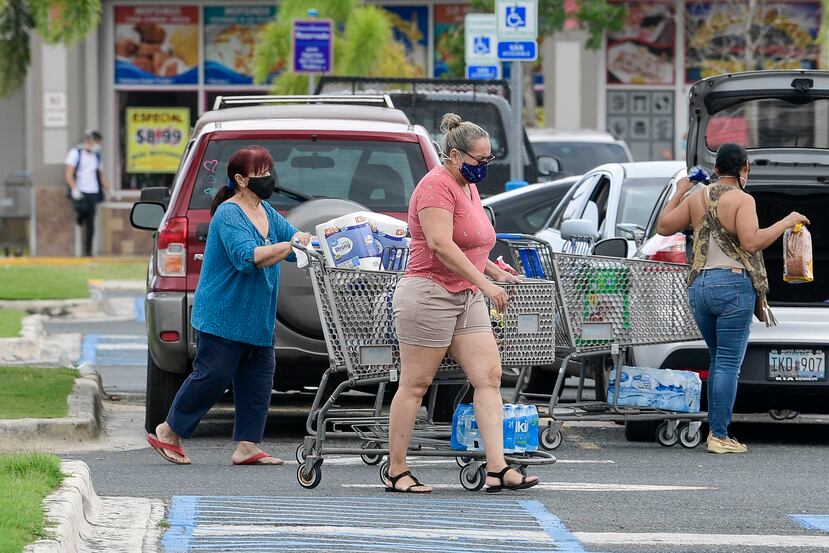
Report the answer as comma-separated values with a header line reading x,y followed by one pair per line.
x,y
254,460
161,447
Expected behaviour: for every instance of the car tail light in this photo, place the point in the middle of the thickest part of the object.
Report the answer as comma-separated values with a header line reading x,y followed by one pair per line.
x,y
172,248
667,248
703,373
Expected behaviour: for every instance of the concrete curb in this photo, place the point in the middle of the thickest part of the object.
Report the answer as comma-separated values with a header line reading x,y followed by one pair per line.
x,y
82,521
97,303
27,345
82,423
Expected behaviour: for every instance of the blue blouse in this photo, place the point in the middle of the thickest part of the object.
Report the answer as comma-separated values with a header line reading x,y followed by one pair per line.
x,y
234,299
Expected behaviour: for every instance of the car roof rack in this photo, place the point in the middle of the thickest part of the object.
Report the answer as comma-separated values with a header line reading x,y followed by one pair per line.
x,y
380,100
329,84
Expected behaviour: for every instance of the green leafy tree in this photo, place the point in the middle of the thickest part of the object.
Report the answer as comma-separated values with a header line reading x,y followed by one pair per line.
x,y
57,21
364,44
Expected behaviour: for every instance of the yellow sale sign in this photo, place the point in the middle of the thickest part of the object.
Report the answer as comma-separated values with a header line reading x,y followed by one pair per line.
x,y
156,138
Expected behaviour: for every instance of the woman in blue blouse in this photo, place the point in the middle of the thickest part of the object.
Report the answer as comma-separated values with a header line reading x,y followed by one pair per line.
x,y
234,312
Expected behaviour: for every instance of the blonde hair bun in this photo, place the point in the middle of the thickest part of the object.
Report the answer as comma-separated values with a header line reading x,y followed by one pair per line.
x,y
450,121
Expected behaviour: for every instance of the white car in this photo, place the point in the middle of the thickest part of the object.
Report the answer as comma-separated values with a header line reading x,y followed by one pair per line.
x,y
782,117
616,199
578,151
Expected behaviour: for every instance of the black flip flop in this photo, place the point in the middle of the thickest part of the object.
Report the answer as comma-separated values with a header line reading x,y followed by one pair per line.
x,y
395,479
523,485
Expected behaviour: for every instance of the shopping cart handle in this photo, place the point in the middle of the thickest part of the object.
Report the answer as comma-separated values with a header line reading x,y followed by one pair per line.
x,y
305,249
509,236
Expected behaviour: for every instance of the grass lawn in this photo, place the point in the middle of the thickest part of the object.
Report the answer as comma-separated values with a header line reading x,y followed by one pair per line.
x,y
25,479
42,281
10,322
35,393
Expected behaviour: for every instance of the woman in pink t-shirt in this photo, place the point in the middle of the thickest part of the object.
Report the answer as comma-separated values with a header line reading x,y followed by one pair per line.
x,y
439,303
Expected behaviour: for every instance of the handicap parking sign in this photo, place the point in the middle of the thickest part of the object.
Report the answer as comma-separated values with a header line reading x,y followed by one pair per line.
x,y
516,16
482,45
517,20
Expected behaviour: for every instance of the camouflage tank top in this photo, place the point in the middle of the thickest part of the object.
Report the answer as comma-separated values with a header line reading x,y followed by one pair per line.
x,y
711,227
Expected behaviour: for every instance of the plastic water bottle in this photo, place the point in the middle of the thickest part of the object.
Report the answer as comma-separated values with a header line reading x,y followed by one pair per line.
x,y
522,423
471,434
509,428
458,440
532,437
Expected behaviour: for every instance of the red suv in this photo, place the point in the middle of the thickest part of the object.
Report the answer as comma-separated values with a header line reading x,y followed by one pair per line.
x,y
333,156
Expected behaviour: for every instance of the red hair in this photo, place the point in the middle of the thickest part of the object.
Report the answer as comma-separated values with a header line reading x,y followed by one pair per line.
x,y
252,160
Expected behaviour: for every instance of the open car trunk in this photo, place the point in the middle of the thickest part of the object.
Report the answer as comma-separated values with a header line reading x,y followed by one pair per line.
x,y
775,202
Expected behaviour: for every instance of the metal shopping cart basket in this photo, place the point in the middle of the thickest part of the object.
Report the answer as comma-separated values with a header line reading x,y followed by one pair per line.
x,y
356,310
605,306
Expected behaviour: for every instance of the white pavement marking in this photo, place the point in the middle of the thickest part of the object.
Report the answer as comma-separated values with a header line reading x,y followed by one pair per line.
x,y
510,534
414,461
114,347
720,540
575,487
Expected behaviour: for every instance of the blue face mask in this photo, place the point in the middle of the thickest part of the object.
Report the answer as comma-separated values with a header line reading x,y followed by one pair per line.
x,y
472,173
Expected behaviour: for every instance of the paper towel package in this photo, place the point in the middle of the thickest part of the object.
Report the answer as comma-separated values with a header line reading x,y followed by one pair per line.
x,y
665,389
358,241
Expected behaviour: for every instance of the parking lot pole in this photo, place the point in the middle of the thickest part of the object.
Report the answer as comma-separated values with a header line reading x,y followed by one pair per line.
x,y
516,101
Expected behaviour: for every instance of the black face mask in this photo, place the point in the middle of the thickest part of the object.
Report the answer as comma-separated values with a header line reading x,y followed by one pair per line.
x,y
262,186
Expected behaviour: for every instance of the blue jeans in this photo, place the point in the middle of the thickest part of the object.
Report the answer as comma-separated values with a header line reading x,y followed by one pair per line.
x,y
219,362
723,304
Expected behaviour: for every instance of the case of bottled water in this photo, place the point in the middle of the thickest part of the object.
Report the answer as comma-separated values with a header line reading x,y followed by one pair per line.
x,y
666,389
520,429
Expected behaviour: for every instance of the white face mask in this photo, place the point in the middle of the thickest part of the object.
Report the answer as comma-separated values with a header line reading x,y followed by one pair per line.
x,y
95,148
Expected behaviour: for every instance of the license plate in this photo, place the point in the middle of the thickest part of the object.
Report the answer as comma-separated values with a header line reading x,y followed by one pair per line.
x,y
797,365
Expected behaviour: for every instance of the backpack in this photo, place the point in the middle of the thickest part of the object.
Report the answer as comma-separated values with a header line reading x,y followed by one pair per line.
x,y
100,197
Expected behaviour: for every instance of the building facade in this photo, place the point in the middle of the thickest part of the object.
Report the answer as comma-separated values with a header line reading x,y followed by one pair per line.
x,y
152,67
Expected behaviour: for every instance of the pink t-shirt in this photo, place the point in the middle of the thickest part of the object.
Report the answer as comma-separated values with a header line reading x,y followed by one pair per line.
x,y
472,231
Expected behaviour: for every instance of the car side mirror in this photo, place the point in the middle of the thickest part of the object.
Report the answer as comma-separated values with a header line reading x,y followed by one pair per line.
x,y
548,165
160,194
147,215
579,228
490,214
612,247
636,232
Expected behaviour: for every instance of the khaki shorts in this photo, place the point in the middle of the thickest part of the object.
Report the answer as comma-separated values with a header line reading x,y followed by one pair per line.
x,y
425,314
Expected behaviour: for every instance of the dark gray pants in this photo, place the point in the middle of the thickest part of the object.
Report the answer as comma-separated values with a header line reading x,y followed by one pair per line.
x,y
85,217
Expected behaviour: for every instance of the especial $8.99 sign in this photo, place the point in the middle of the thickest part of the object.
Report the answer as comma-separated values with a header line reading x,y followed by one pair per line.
x,y
156,138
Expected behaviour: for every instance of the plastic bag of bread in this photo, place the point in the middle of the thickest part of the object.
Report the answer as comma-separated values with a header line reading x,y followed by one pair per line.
x,y
797,255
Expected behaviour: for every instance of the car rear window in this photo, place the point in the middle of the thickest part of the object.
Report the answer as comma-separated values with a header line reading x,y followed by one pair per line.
x,y
771,123
580,157
379,175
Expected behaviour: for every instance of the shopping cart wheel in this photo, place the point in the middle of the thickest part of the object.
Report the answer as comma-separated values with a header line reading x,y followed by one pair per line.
x,y
309,480
463,461
301,454
550,440
473,479
384,472
687,439
783,414
369,458
665,437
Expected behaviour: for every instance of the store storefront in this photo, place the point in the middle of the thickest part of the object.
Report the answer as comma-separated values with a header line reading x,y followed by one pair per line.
x,y
153,67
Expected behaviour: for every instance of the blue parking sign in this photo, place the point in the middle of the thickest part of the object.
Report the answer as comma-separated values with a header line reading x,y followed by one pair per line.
x,y
518,50
312,42
516,16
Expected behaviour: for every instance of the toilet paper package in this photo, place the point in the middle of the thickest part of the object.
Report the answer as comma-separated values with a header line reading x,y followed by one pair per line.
x,y
364,240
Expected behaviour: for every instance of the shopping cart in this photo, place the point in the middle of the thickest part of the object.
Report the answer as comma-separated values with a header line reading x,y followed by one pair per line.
x,y
355,308
606,305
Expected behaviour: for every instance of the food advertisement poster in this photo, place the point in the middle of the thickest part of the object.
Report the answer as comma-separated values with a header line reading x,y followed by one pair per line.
x,y
156,138
229,41
411,27
156,45
783,35
642,53
447,18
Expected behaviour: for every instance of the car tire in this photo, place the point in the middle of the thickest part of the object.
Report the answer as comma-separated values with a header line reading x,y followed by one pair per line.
x,y
641,431
162,387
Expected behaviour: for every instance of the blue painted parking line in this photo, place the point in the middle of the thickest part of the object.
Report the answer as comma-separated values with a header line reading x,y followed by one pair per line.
x,y
139,308
114,350
812,522
366,524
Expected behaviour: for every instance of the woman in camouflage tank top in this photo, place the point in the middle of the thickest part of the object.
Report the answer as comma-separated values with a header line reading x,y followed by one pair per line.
x,y
727,275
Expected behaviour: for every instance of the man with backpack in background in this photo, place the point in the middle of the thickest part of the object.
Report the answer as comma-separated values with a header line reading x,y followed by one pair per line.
x,y
86,182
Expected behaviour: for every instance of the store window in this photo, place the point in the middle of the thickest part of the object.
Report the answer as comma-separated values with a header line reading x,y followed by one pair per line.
x,y
154,130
